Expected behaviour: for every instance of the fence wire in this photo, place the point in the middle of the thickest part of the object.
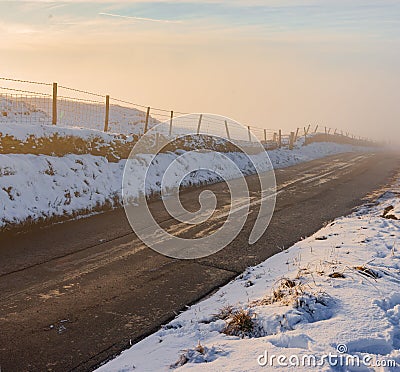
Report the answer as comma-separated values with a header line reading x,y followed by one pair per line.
x,y
21,102
84,109
26,109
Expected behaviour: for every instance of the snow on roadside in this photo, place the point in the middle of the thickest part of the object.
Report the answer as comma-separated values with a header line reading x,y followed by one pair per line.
x,y
23,131
39,186
337,290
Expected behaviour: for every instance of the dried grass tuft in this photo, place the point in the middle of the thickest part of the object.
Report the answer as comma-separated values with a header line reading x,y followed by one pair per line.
x,y
224,313
364,270
287,293
337,275
239,323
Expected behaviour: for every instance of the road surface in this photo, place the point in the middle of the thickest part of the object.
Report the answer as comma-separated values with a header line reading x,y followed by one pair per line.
x,y
77,293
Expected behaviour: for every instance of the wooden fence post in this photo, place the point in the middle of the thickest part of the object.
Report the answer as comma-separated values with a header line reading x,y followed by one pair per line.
x,y
249,132
316,128
146,123
308,128
265,135
280,138
54,119
107,116
274,137
291,141
296,135
227,130
198,125
170,123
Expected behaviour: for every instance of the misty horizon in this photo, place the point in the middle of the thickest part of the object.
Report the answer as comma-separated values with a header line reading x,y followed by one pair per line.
x,y
266,64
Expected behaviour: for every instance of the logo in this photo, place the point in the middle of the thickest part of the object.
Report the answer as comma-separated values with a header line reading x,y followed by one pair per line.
x,y
192,150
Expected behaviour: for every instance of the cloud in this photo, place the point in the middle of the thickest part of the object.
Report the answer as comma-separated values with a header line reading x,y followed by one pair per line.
x,y
139,18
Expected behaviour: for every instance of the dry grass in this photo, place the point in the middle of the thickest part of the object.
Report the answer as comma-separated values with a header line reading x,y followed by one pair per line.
x,y
199,354
239,323
364,270
386,214
337,275
292,293
183,359
200,348
224,313
286,293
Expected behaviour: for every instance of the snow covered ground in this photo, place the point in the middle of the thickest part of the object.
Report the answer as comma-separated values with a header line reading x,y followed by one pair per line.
x,y
39,186
24,131
38,110
331,299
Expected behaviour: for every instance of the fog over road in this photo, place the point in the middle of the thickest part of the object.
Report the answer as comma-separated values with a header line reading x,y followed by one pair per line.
x,y
74,294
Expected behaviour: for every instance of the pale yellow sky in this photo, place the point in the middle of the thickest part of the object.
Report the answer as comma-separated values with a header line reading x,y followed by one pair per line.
x,y
282,69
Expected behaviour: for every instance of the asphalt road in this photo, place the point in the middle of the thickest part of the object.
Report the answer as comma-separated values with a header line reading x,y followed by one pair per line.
x,y
77,293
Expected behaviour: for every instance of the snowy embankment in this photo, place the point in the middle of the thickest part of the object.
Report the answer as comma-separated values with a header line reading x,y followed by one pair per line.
x,y
38,187
335,293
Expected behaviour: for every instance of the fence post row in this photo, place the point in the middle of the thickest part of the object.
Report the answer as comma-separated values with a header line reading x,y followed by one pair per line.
x,y
54,119
107,117
170,123
199,124
146,123
227,130
277,137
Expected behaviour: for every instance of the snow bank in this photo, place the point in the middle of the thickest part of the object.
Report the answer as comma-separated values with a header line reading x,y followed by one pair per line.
x,y
22,132
36,187
334,292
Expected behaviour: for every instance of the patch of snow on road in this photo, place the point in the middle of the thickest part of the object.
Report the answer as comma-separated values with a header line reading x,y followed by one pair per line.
x,y
338,289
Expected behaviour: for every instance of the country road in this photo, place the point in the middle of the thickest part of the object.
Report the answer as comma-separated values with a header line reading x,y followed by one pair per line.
x,y
76,293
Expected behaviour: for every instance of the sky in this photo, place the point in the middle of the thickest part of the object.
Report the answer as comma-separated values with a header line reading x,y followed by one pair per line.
x,y
271,64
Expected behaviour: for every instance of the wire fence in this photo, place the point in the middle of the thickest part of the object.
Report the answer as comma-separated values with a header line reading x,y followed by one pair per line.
x,y
25,101
30,102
